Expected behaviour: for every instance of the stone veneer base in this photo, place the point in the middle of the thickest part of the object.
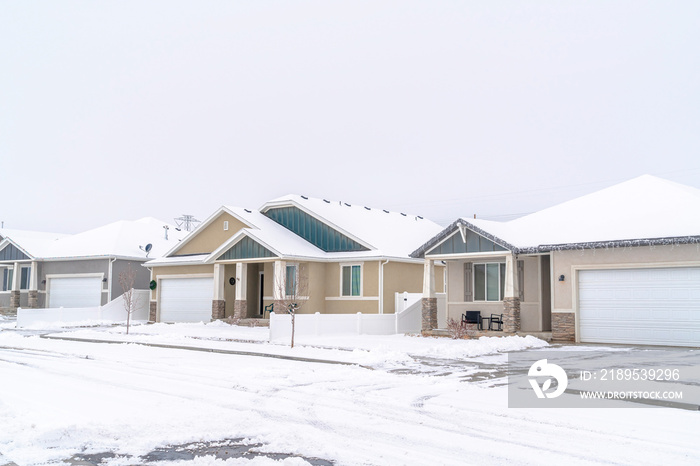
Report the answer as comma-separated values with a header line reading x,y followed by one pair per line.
x,y
218,309
511,315
33,299
564,326
152,308
429,313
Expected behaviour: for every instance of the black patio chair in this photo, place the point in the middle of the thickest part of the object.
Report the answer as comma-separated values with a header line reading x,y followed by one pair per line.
x,y
496,319
472,317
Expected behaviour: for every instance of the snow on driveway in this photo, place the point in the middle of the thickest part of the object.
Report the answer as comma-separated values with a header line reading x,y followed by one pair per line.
x,y
59,398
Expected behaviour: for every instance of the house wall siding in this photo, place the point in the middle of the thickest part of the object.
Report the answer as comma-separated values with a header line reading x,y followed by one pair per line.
x,y
212,236
141,279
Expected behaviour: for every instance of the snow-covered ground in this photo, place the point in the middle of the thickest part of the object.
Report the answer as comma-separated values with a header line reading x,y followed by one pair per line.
x,y
413,402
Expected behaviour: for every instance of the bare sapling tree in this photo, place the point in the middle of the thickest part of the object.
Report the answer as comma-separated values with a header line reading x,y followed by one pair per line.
x,y
127,278
294,290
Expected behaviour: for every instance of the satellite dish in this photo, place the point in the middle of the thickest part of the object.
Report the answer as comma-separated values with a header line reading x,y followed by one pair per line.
x,y
147,249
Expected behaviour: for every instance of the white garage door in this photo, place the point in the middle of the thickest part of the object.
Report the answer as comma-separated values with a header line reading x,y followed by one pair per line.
x,y
642,306
75,291
186,299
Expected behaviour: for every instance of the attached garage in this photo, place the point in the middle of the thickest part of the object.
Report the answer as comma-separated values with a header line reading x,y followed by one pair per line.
x,y
653,306
186,299
74,291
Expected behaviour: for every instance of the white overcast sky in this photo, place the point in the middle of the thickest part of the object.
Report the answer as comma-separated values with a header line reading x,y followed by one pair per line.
x,y
119,110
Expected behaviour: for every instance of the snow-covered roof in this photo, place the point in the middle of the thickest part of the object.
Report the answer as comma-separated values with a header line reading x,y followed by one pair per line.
x,y
118,239
386,233
645,209
32,243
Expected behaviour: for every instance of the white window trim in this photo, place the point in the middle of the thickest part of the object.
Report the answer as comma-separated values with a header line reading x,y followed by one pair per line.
x,y
362,275
29,276
225,225
485,284
296,277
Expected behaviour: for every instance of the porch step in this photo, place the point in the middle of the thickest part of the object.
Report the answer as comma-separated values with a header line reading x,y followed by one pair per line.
x,y
254,322
546,336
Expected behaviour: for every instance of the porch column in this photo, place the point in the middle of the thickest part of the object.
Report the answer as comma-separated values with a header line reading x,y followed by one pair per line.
x,y
279,285
33,300
429,301
511,297
240,305
218,304
14,294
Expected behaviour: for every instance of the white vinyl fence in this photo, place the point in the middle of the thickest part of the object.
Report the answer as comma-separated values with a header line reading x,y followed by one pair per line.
x,y
113,311
407,320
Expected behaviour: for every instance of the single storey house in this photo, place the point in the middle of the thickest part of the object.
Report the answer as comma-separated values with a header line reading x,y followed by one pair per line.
x,y
42,270
620,265
331,256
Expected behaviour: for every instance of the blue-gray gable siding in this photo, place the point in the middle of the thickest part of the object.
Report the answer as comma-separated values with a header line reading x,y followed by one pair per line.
x,y
455,245
11,253
313,230
246,249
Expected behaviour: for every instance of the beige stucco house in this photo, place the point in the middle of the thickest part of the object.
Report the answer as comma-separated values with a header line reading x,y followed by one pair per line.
x,y
620,265
333,256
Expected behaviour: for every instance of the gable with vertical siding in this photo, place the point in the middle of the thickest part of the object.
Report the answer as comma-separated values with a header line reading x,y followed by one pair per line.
x,y
456,245
12,253
313,230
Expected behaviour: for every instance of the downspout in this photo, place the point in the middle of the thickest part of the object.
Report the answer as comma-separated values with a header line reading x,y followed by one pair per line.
x,y
109,281
381,286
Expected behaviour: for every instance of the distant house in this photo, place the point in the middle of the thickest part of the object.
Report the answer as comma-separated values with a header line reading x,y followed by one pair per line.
x,y
239,262
42,270
620,265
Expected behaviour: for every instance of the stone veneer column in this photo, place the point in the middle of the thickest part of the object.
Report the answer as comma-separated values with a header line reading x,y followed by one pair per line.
x,y
511,315
152,308
218,309
429,313
33,300
564,326
14,299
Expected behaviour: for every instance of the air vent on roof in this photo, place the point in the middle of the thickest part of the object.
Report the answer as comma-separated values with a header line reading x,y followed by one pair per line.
x,y
347,204
367,208
385,211
247,210
419,217
403,214
304,197
327,201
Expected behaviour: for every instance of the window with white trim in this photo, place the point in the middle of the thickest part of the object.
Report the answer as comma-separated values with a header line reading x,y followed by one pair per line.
x,y
25,274
351,280
489,281
7,279
290,284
